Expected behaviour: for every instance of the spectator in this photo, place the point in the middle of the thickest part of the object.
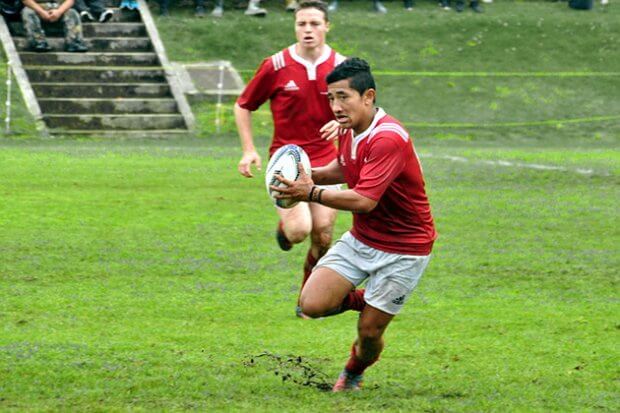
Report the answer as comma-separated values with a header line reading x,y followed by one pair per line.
x,y
34,12
376,5
93,10
129,4
11,9
475,6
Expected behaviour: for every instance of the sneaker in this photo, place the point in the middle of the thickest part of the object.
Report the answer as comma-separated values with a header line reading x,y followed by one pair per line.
x,y
76,46
200,12
333,6
604,2
348,382
106,16
285,244
41,47
378,7
85,16
254,10
291,5
218,11
445,4
476,7
460,6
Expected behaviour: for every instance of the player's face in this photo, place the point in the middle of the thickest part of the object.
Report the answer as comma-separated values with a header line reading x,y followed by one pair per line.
x,y
352,110
310,28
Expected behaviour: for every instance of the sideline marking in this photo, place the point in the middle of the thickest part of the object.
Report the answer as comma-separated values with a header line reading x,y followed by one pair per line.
x,y
512,124
536,166
480,74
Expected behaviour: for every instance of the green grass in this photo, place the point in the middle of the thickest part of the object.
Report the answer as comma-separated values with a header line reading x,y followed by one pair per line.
x,y
143,275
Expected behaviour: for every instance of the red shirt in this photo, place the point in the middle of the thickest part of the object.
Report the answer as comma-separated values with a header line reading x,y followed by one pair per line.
x,y
298,93
381,164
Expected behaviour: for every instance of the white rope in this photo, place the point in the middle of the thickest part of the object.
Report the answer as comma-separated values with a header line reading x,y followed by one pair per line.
x,y
218,106
7,119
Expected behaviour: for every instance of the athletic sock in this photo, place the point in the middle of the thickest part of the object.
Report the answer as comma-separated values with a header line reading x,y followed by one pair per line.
x,y
355,365
308,266
354,301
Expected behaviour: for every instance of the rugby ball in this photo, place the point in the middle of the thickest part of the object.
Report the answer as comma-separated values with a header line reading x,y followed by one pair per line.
x,y
284,162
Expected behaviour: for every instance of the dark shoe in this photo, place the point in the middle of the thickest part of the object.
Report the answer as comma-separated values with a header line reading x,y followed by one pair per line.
x,y
164,12
460,6
106,16
41,47
86,17
283,243
476,7
76,46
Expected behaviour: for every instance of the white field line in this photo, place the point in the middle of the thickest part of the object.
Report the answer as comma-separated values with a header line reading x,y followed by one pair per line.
x,y
511,164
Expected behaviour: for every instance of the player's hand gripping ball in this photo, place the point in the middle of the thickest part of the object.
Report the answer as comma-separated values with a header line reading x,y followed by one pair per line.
x,y
284,162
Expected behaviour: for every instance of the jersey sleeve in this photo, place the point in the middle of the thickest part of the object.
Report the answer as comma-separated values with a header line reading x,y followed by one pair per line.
x,y
260,88
383,162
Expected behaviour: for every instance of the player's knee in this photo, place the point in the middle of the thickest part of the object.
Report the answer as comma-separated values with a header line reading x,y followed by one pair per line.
x,y
312,307
297,235
369,332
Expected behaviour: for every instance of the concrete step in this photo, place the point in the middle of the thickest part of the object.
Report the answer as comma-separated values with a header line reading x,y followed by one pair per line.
x,y
89,59
108,106
117,122
59,74
101,90
89,29
96,44
115,134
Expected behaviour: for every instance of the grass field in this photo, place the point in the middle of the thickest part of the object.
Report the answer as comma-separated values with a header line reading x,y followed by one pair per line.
x,y
143,275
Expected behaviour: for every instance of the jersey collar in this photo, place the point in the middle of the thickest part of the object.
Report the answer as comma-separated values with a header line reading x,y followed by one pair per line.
x,y
310,67
357,139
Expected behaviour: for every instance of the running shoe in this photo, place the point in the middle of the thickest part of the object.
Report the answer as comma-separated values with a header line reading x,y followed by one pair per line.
x,y
348,382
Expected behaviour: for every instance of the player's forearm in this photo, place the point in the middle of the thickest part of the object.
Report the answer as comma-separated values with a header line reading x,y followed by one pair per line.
x,y
243,119
329,174
348,200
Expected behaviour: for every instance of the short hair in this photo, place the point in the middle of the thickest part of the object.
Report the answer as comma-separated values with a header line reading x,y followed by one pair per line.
x,y
357,71
313,4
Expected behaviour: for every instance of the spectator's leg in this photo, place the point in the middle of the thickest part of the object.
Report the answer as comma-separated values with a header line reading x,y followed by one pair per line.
x,y
218,10
74,40
164,7
333,6
200,8
97,7
379,7
34,30
254,9
408,5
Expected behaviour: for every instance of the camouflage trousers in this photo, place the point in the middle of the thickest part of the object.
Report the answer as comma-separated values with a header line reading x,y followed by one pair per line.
x,y
34,29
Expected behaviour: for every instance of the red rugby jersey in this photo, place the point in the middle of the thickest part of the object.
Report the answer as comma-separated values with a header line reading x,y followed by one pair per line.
x,y
298,93
381,164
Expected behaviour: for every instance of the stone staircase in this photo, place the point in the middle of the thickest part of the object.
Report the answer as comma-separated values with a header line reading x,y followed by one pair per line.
x,y
122,86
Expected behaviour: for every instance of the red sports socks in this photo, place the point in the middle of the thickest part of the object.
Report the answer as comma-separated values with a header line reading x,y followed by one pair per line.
x,y
354,301
356,365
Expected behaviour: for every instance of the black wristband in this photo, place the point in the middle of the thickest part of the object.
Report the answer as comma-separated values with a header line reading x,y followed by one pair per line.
x,y
311,194
318,198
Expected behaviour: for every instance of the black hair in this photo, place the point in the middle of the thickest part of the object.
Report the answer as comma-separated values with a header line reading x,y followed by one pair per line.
x,y
357,71
313,4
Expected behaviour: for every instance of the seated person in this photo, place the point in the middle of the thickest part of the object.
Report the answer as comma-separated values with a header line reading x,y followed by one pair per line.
x,y
93,10
36,10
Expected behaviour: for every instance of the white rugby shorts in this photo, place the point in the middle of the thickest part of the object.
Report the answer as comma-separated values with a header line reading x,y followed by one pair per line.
x,y
391,278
